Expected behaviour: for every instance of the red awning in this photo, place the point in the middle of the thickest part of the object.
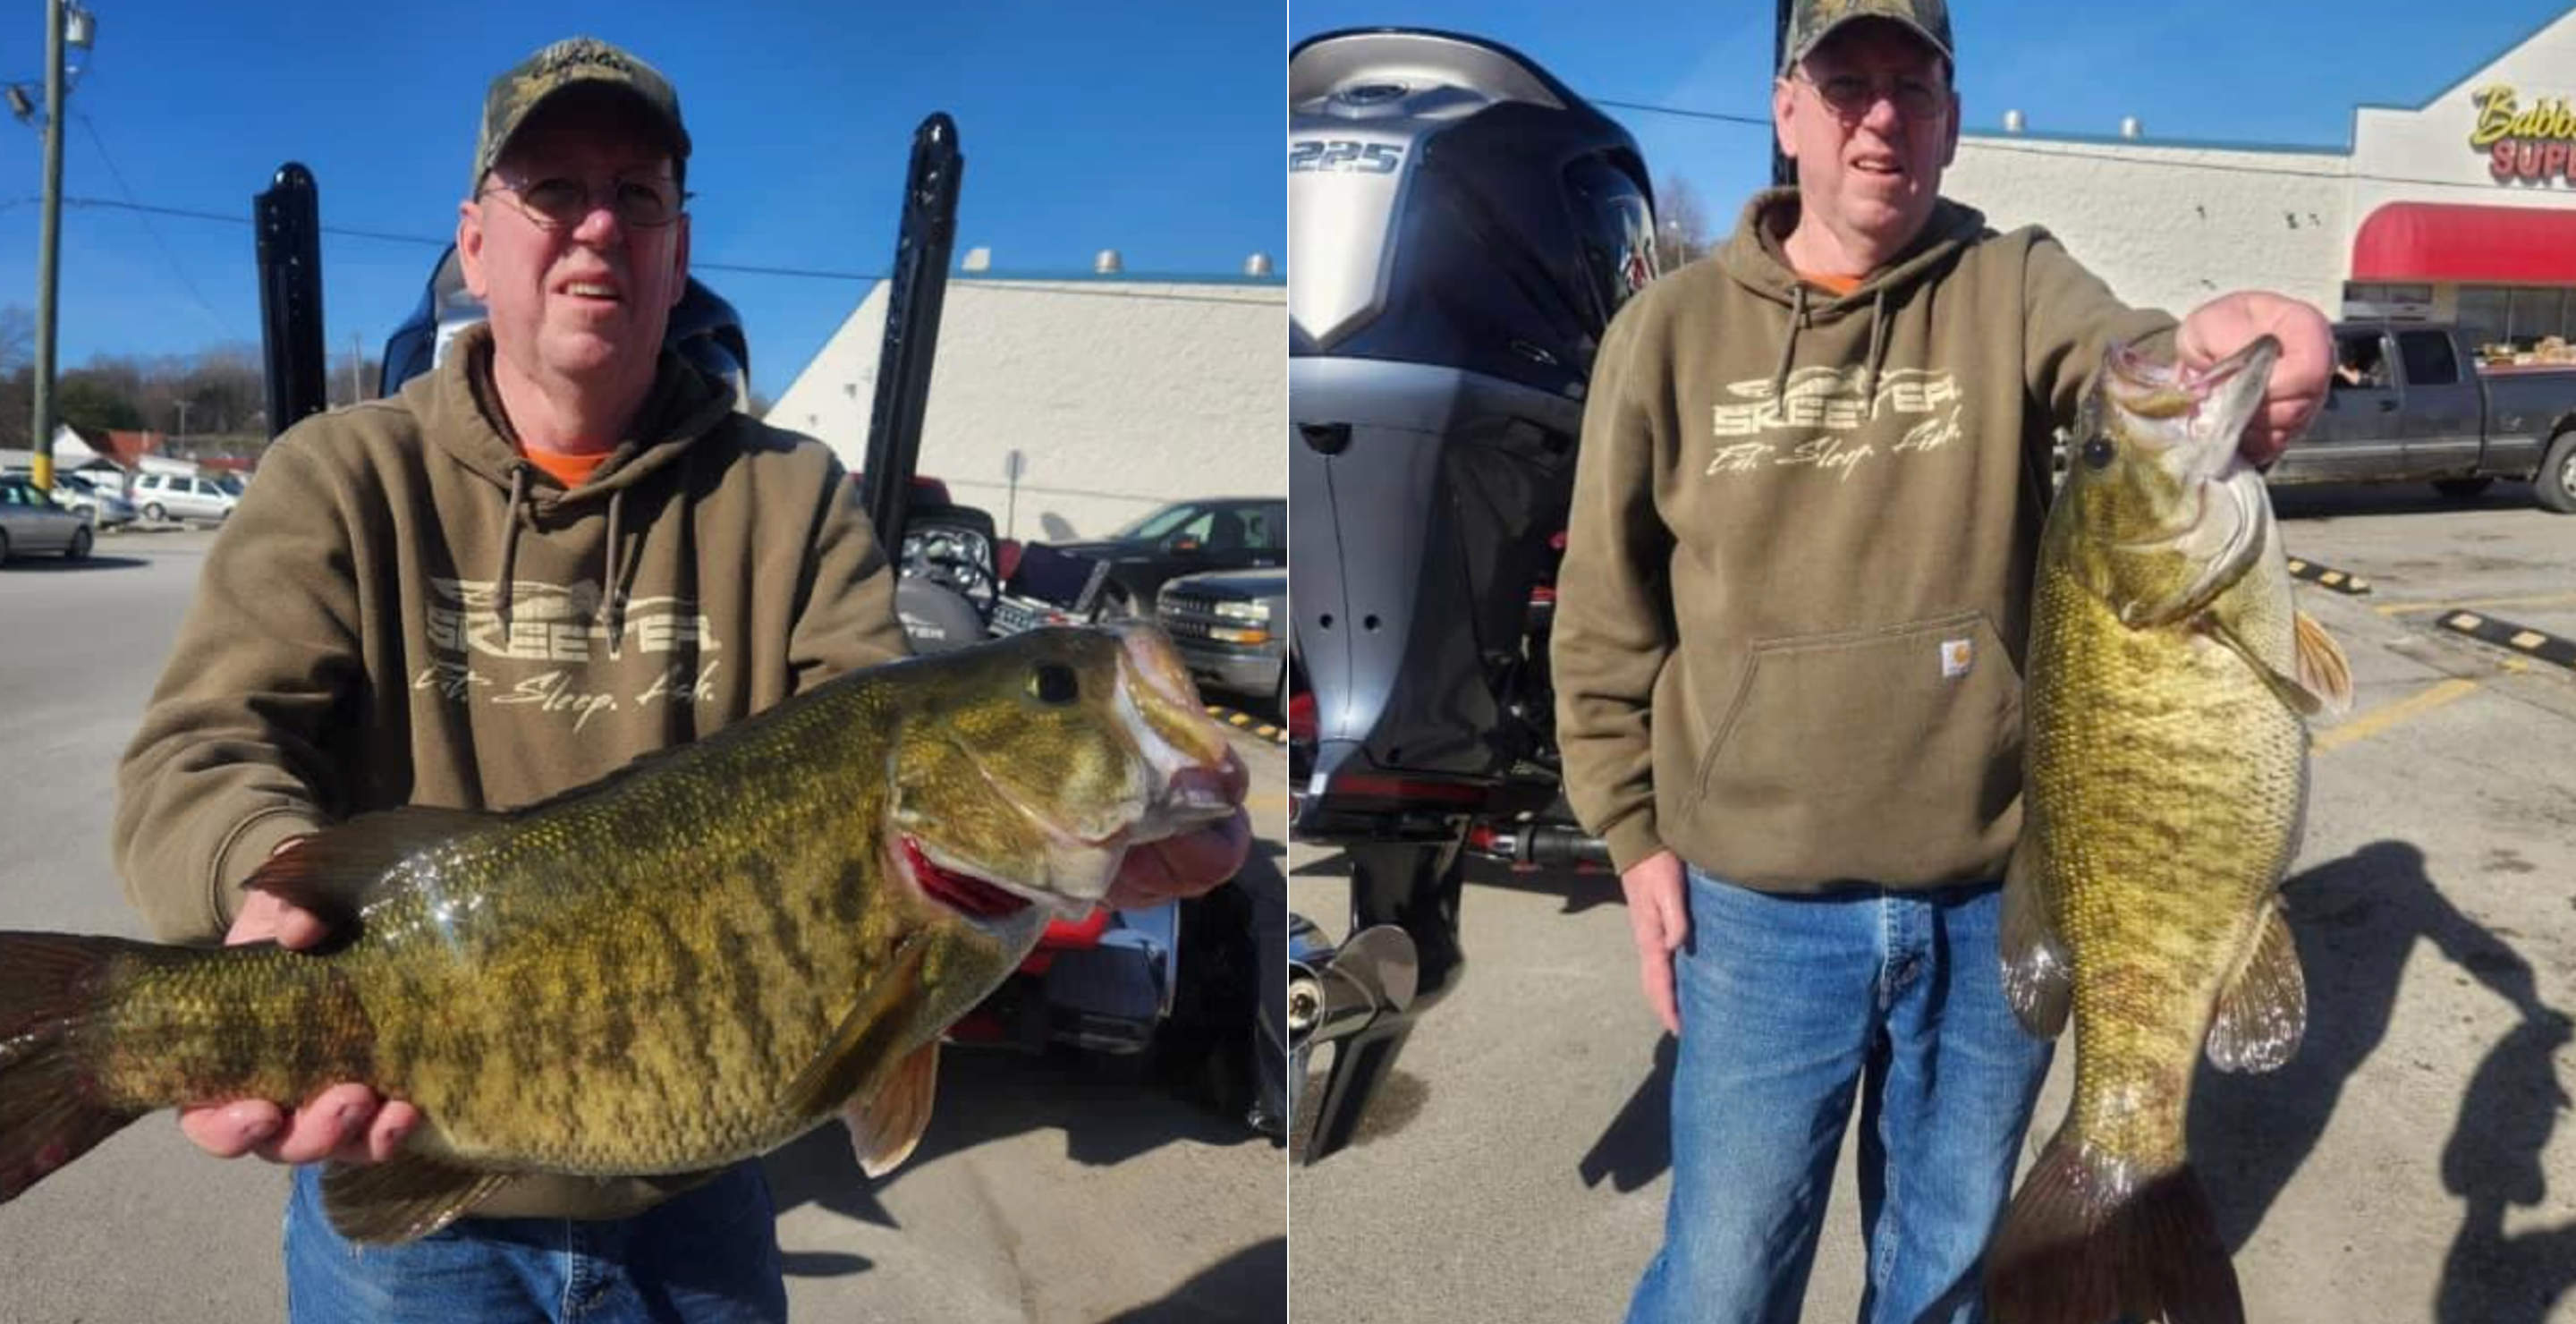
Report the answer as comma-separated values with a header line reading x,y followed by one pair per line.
x,y
2442,242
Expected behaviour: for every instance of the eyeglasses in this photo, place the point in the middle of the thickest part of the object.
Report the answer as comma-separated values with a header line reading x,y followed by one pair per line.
x,y
1852,95
559,202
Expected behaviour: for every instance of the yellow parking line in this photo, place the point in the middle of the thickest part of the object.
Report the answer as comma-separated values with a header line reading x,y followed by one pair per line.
x,y
2380,719
2539,600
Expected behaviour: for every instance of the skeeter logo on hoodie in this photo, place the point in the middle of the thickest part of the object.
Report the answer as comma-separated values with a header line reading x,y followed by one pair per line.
x,y
558,623
1831,401
552,623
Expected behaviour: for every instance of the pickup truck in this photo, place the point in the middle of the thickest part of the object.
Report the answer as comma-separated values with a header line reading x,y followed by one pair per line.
x,y
2410,403
1231,627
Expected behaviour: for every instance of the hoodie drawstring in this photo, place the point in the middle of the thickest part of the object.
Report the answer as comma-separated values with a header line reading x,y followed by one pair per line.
x,y
1788,350
612,593
510,542
1877,351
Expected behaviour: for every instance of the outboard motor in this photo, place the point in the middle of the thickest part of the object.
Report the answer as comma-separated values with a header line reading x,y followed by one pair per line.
x,y
1461,229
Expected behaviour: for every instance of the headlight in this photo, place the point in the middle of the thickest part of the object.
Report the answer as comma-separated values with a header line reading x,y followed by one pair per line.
x,y
1244,611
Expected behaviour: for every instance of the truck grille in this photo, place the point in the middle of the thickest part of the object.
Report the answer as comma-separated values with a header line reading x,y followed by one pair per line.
x,y
1186,616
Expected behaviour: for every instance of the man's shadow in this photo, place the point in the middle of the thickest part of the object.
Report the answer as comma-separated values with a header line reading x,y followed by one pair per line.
x,y
2356,922
1637,1146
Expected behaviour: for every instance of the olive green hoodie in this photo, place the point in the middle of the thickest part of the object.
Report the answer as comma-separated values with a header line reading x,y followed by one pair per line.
x,y
403,610
1796,587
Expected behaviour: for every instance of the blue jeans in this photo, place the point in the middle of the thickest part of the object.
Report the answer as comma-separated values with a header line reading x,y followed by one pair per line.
x,y
706,1256
1791,1005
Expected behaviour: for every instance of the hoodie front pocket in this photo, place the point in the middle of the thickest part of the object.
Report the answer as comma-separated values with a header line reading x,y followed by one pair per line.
x,y
1911,733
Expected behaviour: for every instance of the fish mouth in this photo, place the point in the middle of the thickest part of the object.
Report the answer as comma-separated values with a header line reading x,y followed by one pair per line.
x,y
969,895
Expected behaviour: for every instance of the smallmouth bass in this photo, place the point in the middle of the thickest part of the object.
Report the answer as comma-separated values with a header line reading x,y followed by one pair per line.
x,y
685,964
2165,791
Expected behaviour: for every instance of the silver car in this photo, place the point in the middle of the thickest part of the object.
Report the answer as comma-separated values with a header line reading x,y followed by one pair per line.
x,y
101,506
31,522
163,497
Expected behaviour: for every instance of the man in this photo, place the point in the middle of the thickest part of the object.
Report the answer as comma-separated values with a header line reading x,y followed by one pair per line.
x,y
1788,634
559,551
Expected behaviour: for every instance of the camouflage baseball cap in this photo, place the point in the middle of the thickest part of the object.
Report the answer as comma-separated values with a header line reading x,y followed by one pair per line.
x,y
1811,21
575,61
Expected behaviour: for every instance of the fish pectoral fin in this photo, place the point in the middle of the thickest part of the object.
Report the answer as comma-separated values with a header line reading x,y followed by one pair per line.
x,y
401,1199
336,871
2039,980
861,1051
2263,1011
886,1126
2291,689
2323,671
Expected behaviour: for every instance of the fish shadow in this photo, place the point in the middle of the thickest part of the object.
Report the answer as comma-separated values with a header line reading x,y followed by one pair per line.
x,y
2356,922
1247,1287
990,1095
1637,1146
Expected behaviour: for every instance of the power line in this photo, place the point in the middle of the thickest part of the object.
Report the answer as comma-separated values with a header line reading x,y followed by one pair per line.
x,y
1757,121
1015,284
155,231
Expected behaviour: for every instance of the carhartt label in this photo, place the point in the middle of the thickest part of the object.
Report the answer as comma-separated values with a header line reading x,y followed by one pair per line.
x,y
1956,656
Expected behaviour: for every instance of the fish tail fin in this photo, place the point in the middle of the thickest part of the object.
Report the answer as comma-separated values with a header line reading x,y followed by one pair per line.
x,y
50,1113
2086,1240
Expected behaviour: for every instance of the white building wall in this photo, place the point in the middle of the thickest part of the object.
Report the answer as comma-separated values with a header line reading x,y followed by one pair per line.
x,y
1119,395
2170,226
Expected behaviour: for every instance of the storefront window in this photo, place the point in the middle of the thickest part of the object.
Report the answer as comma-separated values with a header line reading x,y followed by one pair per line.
x,y
2536,313
2376,301
2484,314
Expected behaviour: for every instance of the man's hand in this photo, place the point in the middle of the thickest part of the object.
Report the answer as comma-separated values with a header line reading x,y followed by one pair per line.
x,y
1660,920
345,1122
1189,864
2297,390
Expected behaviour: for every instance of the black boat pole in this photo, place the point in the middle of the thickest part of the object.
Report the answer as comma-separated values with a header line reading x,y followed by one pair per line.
x,y
918,289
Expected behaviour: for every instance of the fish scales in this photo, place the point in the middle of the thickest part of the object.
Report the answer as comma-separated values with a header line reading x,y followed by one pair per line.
x,y
682,965
2156,908
602,971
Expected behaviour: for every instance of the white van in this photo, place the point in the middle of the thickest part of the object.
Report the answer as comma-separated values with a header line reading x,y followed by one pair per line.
x,y
162,497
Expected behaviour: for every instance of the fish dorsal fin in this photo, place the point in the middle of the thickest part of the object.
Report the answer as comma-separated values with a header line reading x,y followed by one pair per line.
x,y
2039,980
2263,1013
402,1199
335,872
2323,671
862,1048
886,1126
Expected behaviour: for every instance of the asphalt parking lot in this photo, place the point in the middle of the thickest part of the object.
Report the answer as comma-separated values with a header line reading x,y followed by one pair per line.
x,y
2416,1161
1045,1190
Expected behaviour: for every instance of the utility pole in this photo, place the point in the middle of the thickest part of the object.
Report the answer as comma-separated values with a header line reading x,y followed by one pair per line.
x,y
66,24
49,249
357,352
182,407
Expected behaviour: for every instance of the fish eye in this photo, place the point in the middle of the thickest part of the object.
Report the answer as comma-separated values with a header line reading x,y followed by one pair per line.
x,y
1054,682
2099,452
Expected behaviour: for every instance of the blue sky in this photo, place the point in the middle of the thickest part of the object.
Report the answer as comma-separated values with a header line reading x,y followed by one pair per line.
x,y
1152,128
2216,70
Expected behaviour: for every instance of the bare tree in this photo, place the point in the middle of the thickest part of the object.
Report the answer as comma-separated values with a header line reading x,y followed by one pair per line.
x,y
17,338
1681,224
